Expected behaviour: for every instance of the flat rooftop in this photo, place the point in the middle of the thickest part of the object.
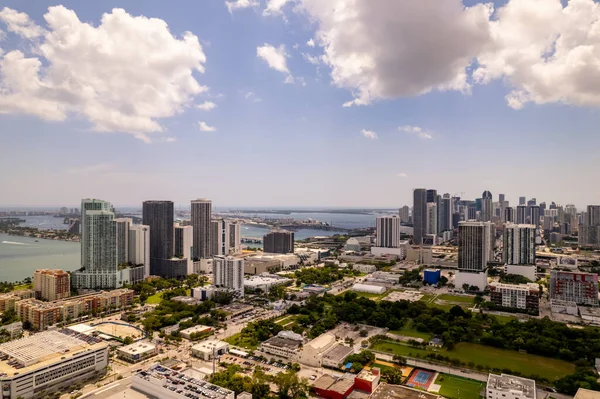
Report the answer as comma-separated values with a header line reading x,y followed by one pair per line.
x,y
367,375
338,353
283,342
42,349
209,345
587,394
342,385
323,382
507,383
195,329
138,347
386,391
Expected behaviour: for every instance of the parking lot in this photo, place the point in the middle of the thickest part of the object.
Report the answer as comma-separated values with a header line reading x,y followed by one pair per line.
x,y
253,361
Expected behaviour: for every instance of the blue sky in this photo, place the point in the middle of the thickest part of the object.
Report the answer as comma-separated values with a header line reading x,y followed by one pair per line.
x,y
295,144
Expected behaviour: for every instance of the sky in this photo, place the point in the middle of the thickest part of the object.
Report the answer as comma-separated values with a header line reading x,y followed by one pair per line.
x,y
291,103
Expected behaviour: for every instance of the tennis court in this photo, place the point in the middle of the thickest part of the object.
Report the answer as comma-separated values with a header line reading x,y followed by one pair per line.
x,y
421,379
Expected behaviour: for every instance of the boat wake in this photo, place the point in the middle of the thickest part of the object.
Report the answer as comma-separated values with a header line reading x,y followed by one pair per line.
x,y
14,243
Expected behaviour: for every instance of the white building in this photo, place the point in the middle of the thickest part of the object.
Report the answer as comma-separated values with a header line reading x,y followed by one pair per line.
x,y
264,282
312,352
49,361
226,237
199,329
388,231
154,382
285,344
139,246
431,226
506,386
371,289
364,268
519,244
228,272
137,351
183,245
210,348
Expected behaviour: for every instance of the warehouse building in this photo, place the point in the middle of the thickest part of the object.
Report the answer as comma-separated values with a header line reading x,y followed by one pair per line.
x,y
336,355
137,351
371,289
198,330
208,349
285,344
49,361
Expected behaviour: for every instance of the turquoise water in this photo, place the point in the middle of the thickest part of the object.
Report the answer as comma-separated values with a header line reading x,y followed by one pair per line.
x,y
21,256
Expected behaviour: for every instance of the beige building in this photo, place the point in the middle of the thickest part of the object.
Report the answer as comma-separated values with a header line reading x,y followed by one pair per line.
x,y
210,348
137,351
51,285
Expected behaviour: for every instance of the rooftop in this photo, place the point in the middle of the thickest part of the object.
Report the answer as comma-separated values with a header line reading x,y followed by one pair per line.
x,y
322,341
342,385
138,347
368,375
323,382
209,345
587,394
43,348
386,391
196,329
282,342
507,383
338,353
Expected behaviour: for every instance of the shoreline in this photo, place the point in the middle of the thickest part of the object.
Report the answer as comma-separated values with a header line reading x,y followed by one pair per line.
x,y
42,236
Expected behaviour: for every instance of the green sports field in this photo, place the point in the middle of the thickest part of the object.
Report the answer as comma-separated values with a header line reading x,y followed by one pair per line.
x,y
453,387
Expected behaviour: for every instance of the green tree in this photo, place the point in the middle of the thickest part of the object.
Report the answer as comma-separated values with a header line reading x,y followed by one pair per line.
x,y
290,386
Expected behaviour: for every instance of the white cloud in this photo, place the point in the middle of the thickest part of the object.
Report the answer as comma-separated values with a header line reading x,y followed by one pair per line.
x,y
206,106
402,174
417,131
123,75
315,60
310,43
251,96
369,134
170,139
20,23
276,58
275,6
547,53
206,128
240,4
2,35
389,48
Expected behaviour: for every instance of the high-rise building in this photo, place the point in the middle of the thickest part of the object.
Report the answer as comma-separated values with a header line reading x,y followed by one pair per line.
x,y
123,226
581,288
183,246
432,221
404,214
201,218
159,216
519,244
486,206
445,214
501,198
521,216
509,214
228,272
571,209
419,215
279,242
532,202
522,201
388,231
98,247
474,245
50,285
534,215
139,247
589,229
432,196
225,237
593,215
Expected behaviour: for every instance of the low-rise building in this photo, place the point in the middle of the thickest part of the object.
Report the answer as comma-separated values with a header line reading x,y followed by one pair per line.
x,y
586,394
312,352
137,351
527,271
49,361
329,387
386,278
564,307
335,356
162,382
210,348
236,309
285,344
13,329
264,282
509,386
205,293
367,380
186,300
589,314
199,330
516,296
364,268
369,288
432,276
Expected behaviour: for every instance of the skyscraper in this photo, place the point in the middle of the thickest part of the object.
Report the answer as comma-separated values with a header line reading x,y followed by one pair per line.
x,y
432,220
419,214
534,215
388,231
475,250
522,201
139,247
432,196
98,247
228,272
404,214
123,226
158,215
501,198
519,244
589,230
279,242
486,206
445,213
509,214
225,237
183,245
593,215
521,216
201,218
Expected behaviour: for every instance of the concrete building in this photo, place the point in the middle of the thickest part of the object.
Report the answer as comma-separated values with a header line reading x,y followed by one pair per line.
x,y
367,380
201,222
204,293
475,240
158,215
516,296
279,242
162,382
486,206
365,268
521,215
509,214
419,215
509,386
329,387
137,351
228,272
183,246
198,330
431,224
335,356
139,247
285,344
534,215
583,393
50,285
404,215
445,214
578,287
388,231
122,235
312,352
519,244
49,361
210,348
264,282
98,247
225,238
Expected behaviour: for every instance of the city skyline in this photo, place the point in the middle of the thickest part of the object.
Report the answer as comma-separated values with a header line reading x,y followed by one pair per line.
x,y
268,82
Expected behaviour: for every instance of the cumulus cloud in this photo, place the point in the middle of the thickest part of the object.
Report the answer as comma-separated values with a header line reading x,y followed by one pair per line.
x,y
204,127
417,131
547,53
402,174
315,60
369,134
240,4
123,75
275,6
206,106
276,58
251,96
310,43
20,23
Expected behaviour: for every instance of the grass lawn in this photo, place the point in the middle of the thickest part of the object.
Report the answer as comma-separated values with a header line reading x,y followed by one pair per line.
x,y
459,388
22,287
287,321
427,298
238,340
491,357
383,367
369,295
503,319
409,331
456,298
154,299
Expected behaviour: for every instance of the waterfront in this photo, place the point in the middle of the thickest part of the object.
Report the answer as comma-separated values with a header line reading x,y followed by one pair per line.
x,y
21,256
343,220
